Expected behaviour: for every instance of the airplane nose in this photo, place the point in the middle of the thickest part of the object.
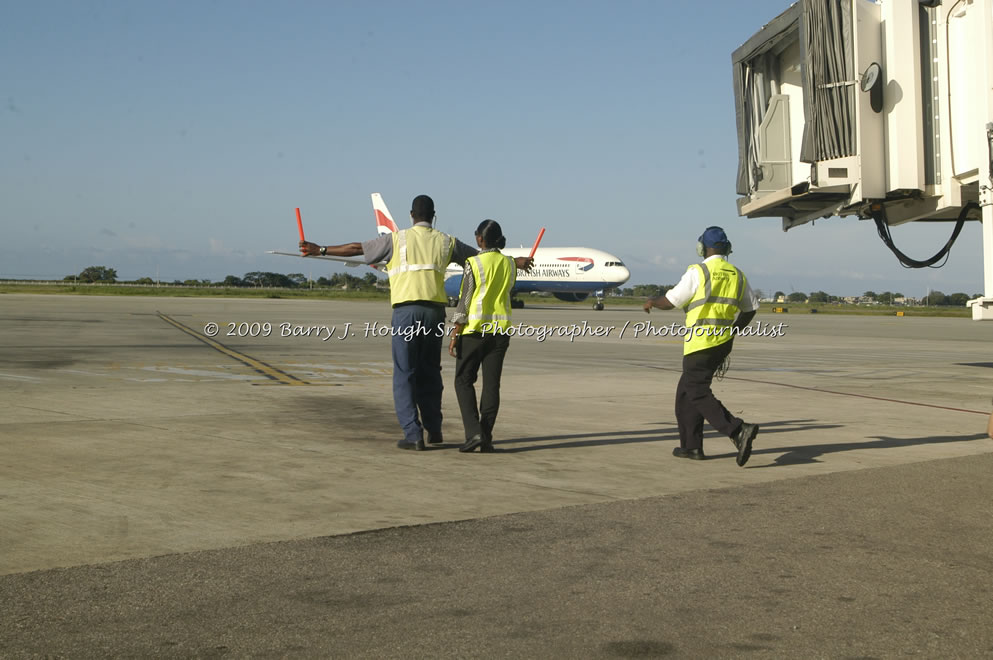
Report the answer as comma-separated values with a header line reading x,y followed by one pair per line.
x,y
625,274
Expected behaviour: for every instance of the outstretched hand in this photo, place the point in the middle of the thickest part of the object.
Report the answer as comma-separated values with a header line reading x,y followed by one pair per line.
x,y
662,302
308,249
524,263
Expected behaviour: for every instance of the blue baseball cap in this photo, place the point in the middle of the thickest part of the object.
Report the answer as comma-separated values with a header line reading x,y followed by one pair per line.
x,y
714,236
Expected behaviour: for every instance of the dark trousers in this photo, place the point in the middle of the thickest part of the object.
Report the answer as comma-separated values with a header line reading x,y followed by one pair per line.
x,y
696,402
417,386
488,351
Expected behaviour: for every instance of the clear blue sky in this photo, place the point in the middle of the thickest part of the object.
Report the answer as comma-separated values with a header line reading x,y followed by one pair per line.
x,y
177,138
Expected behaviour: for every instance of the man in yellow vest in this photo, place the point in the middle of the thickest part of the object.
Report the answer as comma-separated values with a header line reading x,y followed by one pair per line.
x,y
718,303
416,260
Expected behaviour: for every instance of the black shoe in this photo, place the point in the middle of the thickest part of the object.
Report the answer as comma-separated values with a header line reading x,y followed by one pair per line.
x,y
695,454
742,439
472,443
407,444
487,446
435,438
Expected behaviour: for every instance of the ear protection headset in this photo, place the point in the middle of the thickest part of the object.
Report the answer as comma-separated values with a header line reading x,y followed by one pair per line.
x,y
701,248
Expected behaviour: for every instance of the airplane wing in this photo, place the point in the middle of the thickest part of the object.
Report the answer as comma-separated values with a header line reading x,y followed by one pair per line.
x,y
384,225
348,261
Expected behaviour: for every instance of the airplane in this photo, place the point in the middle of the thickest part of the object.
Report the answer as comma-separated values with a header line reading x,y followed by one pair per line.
x,y
568,273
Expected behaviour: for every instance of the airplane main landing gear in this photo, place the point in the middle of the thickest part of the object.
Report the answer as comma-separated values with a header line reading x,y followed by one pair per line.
x,y
516,304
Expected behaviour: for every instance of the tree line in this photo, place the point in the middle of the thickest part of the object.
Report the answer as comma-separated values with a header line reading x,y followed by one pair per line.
x,y
105,275
370,281
644,290
935,298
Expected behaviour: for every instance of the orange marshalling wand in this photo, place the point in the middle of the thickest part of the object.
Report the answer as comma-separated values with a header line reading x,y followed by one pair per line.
x,y
536,242
300,225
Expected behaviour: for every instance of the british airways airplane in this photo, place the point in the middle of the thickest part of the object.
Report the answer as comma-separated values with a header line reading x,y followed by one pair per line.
x,y
569,273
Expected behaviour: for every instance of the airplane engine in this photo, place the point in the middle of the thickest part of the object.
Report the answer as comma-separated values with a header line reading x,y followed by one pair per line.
x,y
572,297
453,288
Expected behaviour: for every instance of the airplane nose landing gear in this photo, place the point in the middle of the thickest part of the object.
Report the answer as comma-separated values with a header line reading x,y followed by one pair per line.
x,y
598,305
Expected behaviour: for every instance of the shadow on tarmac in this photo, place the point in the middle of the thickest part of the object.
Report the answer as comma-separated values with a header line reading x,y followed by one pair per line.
x,y
647,435
810,453
799,455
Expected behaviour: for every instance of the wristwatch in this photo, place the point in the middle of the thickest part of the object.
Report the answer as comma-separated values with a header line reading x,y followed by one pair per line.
x,y
324,250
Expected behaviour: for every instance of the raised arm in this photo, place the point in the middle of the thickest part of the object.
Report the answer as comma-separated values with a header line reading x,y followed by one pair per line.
x,y
308,249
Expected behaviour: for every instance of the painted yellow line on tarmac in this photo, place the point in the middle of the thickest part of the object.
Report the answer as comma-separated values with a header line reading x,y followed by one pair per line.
x,y
266,370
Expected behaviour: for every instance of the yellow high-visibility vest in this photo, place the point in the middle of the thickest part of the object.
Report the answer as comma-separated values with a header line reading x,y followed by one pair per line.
x,y
417,267
494,275
712,310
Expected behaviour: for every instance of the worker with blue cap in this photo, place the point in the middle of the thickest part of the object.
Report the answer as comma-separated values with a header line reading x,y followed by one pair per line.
x,y
718,303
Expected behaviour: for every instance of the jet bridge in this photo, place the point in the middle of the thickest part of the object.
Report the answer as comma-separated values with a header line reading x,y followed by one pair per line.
x,y
878,110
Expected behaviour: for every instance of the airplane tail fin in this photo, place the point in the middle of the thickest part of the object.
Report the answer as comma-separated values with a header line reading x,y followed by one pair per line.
x,y
384,221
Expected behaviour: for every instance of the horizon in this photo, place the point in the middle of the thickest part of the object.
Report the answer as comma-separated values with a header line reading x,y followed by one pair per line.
x,y
767,295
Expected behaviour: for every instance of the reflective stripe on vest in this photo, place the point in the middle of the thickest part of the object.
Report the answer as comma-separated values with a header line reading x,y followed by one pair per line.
x,y
713,308
417,268
494,275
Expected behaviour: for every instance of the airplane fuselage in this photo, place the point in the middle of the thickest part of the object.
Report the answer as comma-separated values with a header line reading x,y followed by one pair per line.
x,y
575,271
569,273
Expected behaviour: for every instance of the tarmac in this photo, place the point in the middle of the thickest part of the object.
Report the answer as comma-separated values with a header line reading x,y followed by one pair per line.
x,y
164,493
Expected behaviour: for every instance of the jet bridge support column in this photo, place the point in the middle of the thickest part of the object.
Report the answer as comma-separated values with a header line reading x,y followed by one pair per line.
x,y
982,308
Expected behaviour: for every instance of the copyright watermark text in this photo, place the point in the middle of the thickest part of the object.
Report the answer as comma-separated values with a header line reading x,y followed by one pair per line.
x,y
372,329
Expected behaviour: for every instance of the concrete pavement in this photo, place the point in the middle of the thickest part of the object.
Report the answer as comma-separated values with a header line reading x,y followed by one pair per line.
x,y
130,435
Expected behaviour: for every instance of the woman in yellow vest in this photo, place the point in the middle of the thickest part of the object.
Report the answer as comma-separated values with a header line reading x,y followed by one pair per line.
x,y
482,320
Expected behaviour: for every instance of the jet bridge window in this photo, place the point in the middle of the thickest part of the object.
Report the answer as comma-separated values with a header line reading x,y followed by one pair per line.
x,y
795,89
795,95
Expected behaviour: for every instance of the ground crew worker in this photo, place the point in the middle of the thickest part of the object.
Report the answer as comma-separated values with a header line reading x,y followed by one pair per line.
x,y
480,337
416,260
712,294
